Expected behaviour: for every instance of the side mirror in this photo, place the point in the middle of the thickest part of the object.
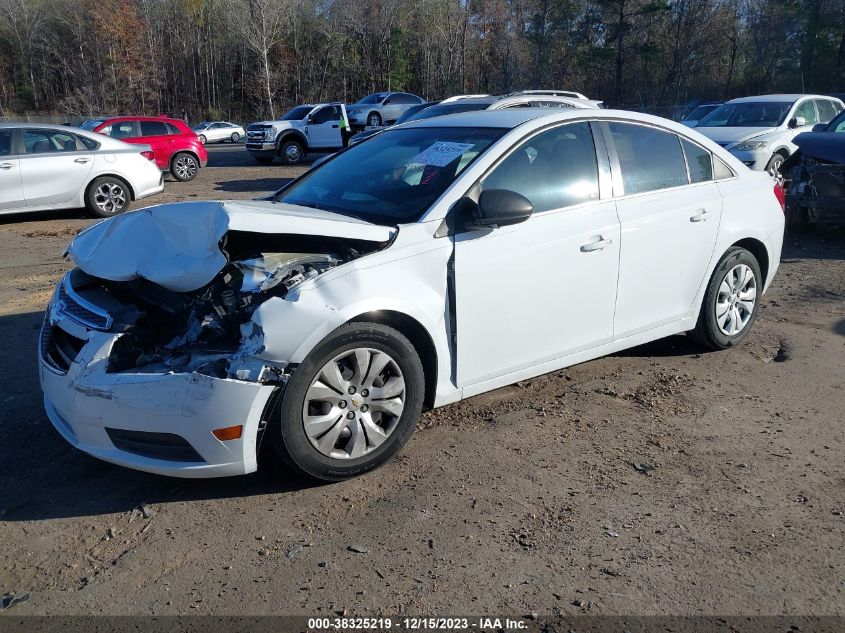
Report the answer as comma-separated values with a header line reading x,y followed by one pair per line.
x,y
797,121
819,127
501,207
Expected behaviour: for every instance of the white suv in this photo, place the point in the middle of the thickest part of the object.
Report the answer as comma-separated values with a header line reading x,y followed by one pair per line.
x,y
759,130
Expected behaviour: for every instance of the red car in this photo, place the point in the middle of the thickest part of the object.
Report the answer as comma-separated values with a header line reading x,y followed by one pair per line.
x,y
176,148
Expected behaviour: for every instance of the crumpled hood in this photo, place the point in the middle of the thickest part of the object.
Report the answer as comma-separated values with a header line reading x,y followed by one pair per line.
x,y
177,245
826,146
727,136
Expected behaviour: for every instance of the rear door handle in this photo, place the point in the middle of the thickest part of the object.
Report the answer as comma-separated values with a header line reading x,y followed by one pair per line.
x,y
82,161
700,216
598,245
6,165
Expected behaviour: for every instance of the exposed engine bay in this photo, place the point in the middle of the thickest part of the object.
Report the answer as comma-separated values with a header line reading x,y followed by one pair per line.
x,y
816,175
209,330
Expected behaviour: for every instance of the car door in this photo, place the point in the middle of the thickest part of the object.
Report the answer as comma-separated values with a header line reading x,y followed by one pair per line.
x,y
543,289
392,107
54,166
11,189
669,225
323,129
157,135
218,132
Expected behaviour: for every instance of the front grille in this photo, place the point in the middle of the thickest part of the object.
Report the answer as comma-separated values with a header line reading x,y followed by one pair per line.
x,y
165,446
58,348
80,310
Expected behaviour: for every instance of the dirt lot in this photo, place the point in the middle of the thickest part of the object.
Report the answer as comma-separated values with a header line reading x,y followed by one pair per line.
x,y
524,499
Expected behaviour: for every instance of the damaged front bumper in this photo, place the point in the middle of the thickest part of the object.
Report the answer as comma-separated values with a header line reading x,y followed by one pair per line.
x,y
156,422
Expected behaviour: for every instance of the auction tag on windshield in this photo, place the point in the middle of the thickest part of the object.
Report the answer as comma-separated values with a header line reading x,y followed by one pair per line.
x,y
441,154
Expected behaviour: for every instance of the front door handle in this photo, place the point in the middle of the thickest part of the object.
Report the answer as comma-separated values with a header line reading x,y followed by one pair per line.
x,y
700,216
598,245
82,161
6,165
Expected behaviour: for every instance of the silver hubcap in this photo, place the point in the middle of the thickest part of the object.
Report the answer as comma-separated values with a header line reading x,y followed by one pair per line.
x,y
374,120
186,167
774,166
235,137
354,403
736,300
110,197
202,139
292,153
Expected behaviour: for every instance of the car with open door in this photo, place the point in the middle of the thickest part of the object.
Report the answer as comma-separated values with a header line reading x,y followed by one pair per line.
x,y
435,261
321,128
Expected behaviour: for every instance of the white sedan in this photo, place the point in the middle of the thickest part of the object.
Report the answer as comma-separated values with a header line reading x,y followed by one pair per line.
x,y
219,132
438,260
47,167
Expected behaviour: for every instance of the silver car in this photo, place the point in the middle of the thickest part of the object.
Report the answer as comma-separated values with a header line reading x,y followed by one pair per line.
x,y
219,132
382,107
45,167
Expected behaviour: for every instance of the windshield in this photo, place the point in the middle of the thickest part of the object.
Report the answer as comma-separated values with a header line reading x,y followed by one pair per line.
x,y
298,113
394,177
447,108
750,114
91,124
699,113
376,98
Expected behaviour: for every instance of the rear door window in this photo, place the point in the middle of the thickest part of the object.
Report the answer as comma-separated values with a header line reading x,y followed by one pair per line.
x,y
698,161
48,142
650,159
153,128
5,142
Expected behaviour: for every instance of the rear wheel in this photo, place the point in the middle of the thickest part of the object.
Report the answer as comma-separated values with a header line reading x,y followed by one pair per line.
x,y
352,404
730,302
107,196
292,152
184,167
235,137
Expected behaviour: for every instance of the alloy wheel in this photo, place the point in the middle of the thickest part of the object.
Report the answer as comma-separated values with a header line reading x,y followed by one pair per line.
x,y
185,167
374,120
736,300
354,403
774,166
110,197
235,137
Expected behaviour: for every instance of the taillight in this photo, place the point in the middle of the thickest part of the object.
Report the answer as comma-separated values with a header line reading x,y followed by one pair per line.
x,y
780,194
148,155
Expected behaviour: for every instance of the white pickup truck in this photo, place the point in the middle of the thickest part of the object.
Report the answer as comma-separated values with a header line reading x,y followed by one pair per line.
x,y
306,128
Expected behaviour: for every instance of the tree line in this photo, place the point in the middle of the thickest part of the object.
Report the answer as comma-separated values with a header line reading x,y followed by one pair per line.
x,y
248,59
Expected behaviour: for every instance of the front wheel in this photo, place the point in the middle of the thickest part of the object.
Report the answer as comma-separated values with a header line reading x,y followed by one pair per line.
x,y
291,152
774,165
352,404
184,167
374,120
202,138
731,300
107,196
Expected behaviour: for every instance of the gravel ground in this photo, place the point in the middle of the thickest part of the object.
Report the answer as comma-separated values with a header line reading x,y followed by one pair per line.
x,y
527,499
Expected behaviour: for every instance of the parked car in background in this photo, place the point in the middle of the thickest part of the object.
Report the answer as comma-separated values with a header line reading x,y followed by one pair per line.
x,y
759,130
382,107
46,167
816,176
691,118
365,134
560,93
320,322
323,127
175,146
218,132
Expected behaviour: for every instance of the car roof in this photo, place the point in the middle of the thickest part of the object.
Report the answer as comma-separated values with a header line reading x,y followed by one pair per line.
x,y
778,98
138,118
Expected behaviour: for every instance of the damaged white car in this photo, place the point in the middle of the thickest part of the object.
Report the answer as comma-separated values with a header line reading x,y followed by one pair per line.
x,y
435,261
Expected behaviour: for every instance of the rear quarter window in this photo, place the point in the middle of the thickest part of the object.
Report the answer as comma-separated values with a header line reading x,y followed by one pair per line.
x,y
698,161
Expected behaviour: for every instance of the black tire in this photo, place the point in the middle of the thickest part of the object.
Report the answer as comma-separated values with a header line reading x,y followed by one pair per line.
x,y
774,165
291,152
107,185
290,439
264,160
707,331
374,119
184,167
235,137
